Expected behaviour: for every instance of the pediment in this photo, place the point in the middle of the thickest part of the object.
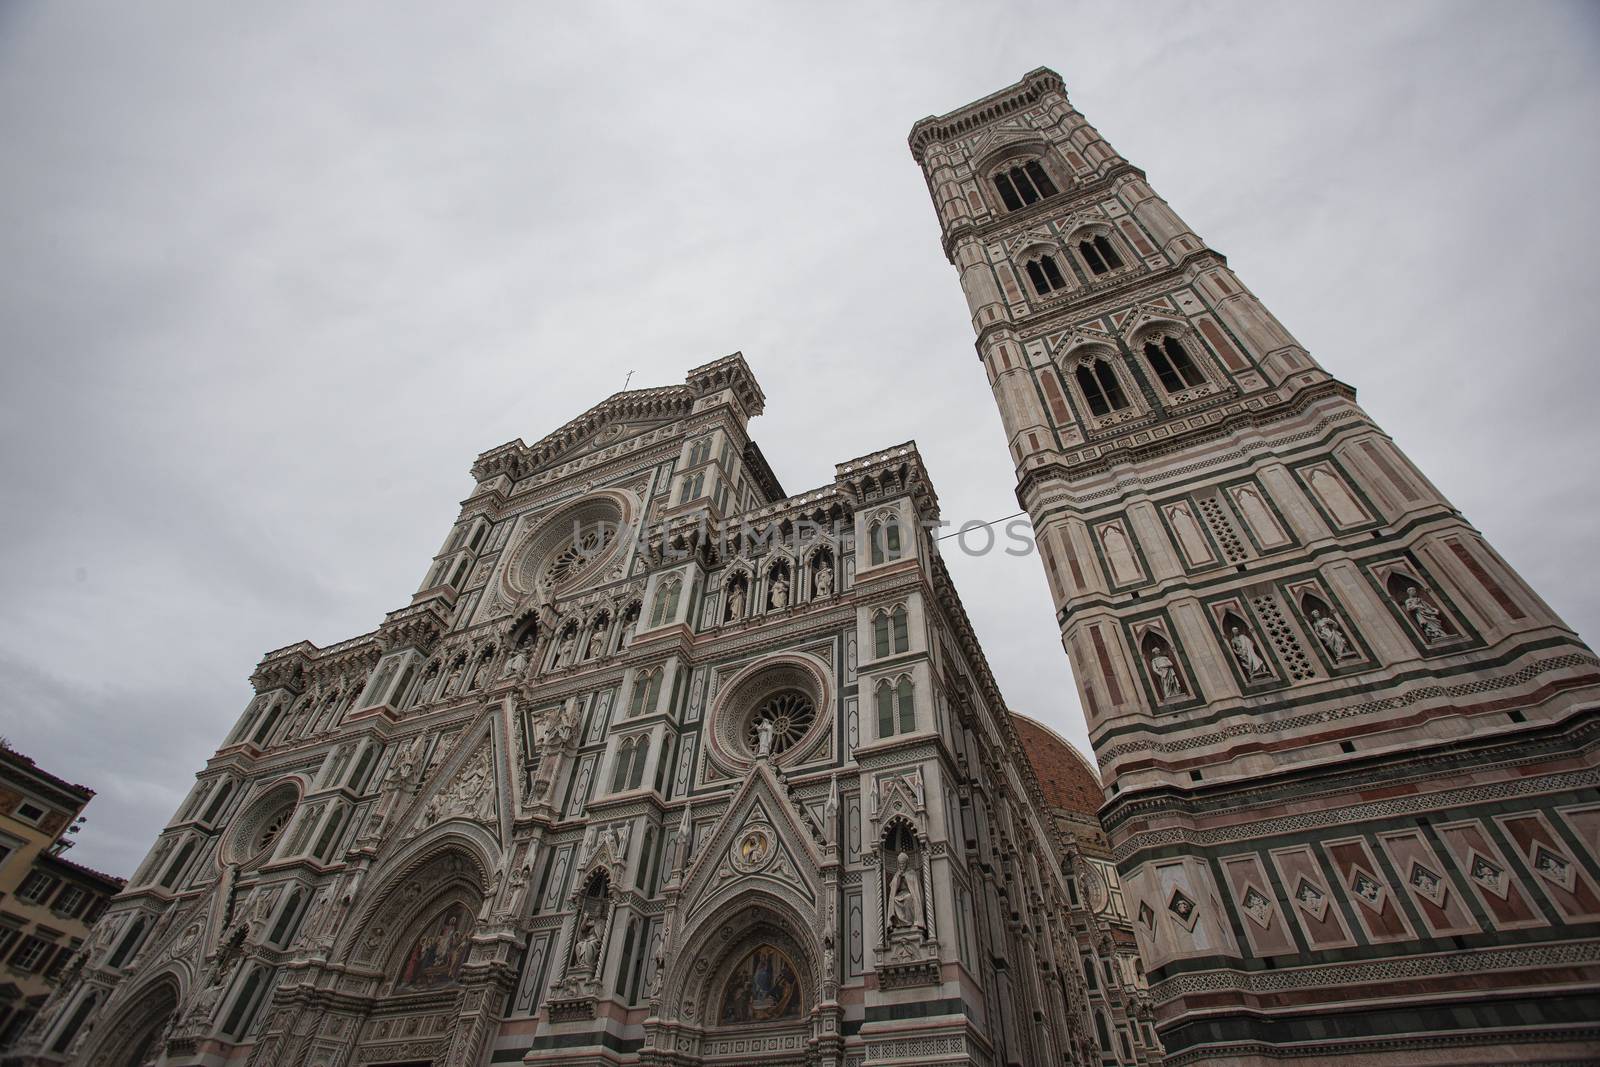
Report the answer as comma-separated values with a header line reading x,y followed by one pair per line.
x,y
760,839
466,786
1000,136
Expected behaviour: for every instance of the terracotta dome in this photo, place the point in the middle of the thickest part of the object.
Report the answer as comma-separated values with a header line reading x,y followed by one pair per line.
x,y
1067,778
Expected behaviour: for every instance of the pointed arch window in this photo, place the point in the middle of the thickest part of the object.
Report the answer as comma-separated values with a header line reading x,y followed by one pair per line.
x,y
1172,364
897,713
1100,387
646,692
215,807
889,632
1099,254
1045,275
1024,184
885,537
246,1003
632,755
666,605
699,452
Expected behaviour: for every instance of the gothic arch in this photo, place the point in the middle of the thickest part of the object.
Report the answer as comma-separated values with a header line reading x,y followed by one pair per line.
x,y
138,1023
706,950
454,858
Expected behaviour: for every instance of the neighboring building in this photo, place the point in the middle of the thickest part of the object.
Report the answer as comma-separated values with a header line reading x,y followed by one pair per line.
x,y
1350,754
741,791
47,902
1113,973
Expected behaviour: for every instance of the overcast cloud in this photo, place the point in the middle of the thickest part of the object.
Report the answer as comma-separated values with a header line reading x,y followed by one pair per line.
x,y
278,272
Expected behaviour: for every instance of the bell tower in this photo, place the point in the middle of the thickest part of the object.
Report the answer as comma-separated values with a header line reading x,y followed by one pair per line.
x,y
1350,757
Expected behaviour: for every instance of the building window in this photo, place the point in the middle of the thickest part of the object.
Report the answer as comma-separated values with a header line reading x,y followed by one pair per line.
x,y
30,953
885,538
1089,978
1099,254
631,756
666,606
129,942
1172,364
31,813
889,632
36,887
699,452
646,692
1101,1033
8,937
1100,387
897,711
1022,185
215,807
1045,275
70,900
244,1005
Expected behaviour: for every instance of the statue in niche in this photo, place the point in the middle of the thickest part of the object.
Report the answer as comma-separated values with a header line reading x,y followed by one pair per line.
x,y
1331,636
564,652
764,731
1248,655
629,625
597,640
586,952
1425,615
905,896
823,579
780,592
517,662
453,679
736,602
1166,672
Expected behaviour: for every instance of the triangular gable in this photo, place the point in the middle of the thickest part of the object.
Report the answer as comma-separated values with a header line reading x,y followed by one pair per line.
x,y
1001,135
760,838
466,786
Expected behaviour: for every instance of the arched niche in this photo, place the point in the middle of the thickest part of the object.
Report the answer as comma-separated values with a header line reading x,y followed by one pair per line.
x,y
721,952
131,1038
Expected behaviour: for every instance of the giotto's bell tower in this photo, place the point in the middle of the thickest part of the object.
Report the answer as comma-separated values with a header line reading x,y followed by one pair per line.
x,y
1349,754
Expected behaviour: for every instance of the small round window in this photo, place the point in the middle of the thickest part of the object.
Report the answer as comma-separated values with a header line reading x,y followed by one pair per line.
x,y
790,714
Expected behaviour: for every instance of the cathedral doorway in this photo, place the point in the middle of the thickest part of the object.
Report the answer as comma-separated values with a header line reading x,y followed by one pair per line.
x,y
746,984
135,1038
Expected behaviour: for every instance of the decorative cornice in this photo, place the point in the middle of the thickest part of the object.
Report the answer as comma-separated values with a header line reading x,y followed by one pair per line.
x,y
997,105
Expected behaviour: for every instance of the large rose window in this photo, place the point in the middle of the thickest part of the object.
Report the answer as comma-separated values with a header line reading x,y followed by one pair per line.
x,y
581,549
790,713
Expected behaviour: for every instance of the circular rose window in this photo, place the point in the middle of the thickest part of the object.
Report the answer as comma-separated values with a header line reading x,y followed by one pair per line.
x,y
779,721
581,549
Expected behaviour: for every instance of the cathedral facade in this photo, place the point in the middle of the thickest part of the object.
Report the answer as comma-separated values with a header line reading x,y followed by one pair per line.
x,y
1350,756
659,765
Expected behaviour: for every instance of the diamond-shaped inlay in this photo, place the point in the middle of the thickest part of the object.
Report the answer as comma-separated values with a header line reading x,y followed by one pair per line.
x,y
1553,866
1182,907
1310,899
1147,915
1257,907
1489,875
1427,882
1366,889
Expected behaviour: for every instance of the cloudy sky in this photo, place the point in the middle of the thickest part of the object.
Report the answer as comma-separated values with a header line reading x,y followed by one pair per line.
x,y
277,273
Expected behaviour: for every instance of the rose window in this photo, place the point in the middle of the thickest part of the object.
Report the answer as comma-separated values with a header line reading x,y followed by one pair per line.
x,y
582,549
791,714
274,827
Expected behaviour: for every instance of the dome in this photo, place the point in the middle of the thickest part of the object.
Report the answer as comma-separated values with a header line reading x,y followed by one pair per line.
x,y
1066,777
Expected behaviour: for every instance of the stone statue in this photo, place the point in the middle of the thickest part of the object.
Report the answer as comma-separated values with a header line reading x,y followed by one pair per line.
x,y
597,641
586,953
564,652
517,662
1166,673
1425,615
780,593
1245,651
823,579
629,625
736,603
1330,635
764,737
905,896
452,679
